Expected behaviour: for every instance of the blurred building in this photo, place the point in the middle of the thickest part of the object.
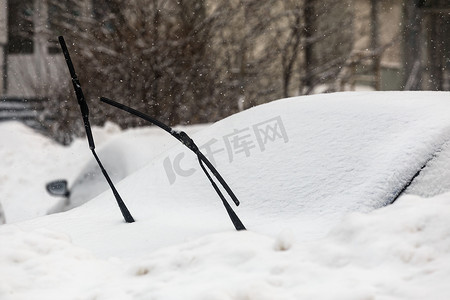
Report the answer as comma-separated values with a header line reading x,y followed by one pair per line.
x,y
399,44
28,59
406,44
28,64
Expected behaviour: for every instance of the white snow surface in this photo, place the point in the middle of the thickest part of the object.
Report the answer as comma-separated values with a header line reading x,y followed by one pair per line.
x,y
312,197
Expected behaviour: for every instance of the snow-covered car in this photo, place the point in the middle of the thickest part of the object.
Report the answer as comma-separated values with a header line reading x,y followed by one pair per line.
x,y
315,158
121,156
90,182
315,176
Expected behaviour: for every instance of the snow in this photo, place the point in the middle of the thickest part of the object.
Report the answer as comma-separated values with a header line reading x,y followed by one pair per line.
x,y
397,252
313,197
31,160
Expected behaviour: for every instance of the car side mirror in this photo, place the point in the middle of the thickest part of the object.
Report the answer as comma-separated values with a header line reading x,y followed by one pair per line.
x,y
58,188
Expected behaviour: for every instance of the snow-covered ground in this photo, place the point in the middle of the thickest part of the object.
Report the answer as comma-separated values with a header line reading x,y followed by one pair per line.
x,y
313,175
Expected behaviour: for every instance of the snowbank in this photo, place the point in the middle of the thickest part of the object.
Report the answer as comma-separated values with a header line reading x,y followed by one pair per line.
x,y
398,252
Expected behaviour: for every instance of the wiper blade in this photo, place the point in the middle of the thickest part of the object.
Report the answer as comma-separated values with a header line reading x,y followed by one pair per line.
x,y
85,113
189,143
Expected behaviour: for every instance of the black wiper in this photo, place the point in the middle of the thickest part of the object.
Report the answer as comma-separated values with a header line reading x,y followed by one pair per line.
x,y
189,143
85,113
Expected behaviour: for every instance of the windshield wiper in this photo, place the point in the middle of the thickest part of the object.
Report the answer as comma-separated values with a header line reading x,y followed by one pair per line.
x,y
85,113
203,161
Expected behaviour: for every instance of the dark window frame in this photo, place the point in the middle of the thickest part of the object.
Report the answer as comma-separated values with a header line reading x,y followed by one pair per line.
x,y
20,27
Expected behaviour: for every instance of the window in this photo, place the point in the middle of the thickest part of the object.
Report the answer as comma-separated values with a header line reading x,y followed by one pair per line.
x,y
20,26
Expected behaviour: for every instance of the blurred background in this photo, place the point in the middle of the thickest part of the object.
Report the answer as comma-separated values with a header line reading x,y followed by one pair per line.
x,y
198,61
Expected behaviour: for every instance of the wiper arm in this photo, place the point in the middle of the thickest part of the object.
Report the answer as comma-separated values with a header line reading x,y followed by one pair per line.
x,y
85,113
189,143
